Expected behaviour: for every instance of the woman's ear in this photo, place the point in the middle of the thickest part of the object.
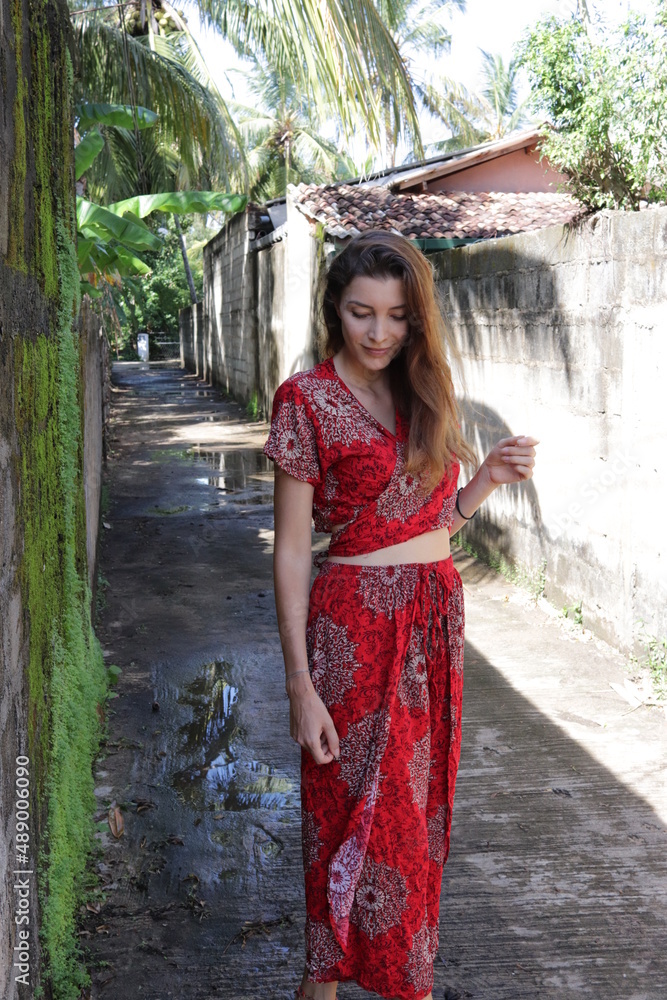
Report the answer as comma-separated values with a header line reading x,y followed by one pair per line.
x,y
337,307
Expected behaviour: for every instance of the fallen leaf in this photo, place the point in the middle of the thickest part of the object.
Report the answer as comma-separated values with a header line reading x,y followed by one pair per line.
x,y
116,821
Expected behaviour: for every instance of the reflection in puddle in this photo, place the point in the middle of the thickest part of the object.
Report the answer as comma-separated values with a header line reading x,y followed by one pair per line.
x,y
243,476
218,775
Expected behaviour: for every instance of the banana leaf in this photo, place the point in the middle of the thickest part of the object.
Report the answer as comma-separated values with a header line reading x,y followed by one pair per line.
x,y
120,115
96,222
86,151
181,202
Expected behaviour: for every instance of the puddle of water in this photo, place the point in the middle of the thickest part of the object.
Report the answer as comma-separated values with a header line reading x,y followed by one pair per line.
x,y
243,476
217,774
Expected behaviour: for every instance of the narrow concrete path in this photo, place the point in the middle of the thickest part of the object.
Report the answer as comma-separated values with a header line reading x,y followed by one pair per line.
x,y
557,878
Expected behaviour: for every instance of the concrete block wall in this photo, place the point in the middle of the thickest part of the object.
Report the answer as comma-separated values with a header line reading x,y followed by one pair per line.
x,y
256,324
562,336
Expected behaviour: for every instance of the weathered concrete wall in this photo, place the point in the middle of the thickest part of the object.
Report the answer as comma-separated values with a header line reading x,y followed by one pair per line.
x,y
191,329
94,382
270,263
257,323
52,677
562,335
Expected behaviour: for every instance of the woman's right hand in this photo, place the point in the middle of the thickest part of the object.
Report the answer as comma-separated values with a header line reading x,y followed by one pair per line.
x,y
311,726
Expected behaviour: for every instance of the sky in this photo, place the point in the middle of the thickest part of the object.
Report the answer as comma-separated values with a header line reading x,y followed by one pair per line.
x,y
491,25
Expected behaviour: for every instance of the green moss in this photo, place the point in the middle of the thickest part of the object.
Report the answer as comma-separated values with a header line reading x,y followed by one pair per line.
x,y
44,256
18,167
66,677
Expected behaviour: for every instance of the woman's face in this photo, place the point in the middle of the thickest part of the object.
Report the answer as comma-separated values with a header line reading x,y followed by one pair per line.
x,y
373,314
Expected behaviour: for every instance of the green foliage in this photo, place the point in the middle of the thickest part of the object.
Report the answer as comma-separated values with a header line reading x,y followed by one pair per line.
x,y
575,612
108,236
473,118
252,407
533,582
604,99
152,303
116,115
180,202
283,142
655,657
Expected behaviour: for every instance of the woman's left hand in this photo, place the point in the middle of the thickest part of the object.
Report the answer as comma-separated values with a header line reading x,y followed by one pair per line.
x,y
511,460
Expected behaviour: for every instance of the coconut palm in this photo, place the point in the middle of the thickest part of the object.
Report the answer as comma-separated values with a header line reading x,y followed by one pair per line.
x,y
473,118
281,132
420,31
142,53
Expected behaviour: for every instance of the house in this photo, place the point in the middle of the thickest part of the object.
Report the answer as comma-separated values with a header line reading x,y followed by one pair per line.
x,y
257,323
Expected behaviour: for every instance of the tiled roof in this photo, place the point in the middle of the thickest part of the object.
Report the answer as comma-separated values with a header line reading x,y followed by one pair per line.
x,y
347,209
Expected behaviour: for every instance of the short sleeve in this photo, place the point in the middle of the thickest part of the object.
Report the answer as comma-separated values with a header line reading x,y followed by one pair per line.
x,y
292,441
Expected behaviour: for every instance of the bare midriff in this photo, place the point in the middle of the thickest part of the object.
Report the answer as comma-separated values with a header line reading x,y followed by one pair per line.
x,y
431,546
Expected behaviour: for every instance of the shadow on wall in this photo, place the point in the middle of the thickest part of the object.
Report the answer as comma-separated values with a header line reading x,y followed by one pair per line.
x,y
483,427
554,328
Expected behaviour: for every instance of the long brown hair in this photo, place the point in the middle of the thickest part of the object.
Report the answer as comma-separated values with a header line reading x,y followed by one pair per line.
x,y
420,376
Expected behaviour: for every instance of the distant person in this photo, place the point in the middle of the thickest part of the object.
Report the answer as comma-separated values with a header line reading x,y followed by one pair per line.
x,y
368,444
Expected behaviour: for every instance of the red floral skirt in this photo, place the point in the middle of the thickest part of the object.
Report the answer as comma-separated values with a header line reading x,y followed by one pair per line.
x,y
385,651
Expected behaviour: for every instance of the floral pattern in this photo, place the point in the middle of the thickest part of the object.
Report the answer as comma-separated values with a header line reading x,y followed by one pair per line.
x,y
436,826
420,963
377,876
362,750
380,899
322,949
413,682
419,769
332,660
383,588
322,434
310,840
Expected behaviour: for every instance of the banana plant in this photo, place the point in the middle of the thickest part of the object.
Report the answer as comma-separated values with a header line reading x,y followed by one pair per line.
x,y
112,237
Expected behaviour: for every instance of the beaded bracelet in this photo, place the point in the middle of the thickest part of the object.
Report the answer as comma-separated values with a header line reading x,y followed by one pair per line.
x,y
459,509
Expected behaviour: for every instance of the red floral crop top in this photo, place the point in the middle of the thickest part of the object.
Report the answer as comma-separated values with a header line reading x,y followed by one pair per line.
x,y
322,434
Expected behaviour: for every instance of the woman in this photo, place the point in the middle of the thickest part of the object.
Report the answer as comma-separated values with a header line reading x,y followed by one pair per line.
x,y
368,445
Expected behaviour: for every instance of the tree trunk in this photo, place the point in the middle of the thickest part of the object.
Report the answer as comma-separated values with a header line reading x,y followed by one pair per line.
x,y
186,262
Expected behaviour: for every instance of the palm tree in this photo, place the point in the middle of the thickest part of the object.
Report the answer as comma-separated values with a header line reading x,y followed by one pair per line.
x,y
282,137
473,118
420,31
142,53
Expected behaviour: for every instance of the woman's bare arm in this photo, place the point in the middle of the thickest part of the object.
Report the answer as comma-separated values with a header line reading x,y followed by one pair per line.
x,y
310,723
511,460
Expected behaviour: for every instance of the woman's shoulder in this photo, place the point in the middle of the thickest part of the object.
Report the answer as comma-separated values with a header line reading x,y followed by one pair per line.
x,y
308,384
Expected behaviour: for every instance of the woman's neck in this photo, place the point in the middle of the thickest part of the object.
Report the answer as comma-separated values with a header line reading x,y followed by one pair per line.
x,y
358,377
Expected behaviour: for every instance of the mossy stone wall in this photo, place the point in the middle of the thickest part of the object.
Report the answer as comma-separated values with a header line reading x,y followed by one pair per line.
x,y
52,676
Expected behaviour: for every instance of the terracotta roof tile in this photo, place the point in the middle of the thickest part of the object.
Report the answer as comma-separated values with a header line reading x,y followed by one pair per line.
x,y
345,209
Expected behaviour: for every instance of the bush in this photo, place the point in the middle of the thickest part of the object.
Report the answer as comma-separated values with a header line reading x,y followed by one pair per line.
x,y
604,101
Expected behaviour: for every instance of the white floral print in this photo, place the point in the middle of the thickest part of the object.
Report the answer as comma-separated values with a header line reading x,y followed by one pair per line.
x,y
310,838
380,898
323,951
362,750
436,825
420,963
331,655
419,768
413,682
338,418
387,589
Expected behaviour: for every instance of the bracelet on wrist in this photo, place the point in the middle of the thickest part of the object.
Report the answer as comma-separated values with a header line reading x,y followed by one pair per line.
x,y
306,670
459,509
